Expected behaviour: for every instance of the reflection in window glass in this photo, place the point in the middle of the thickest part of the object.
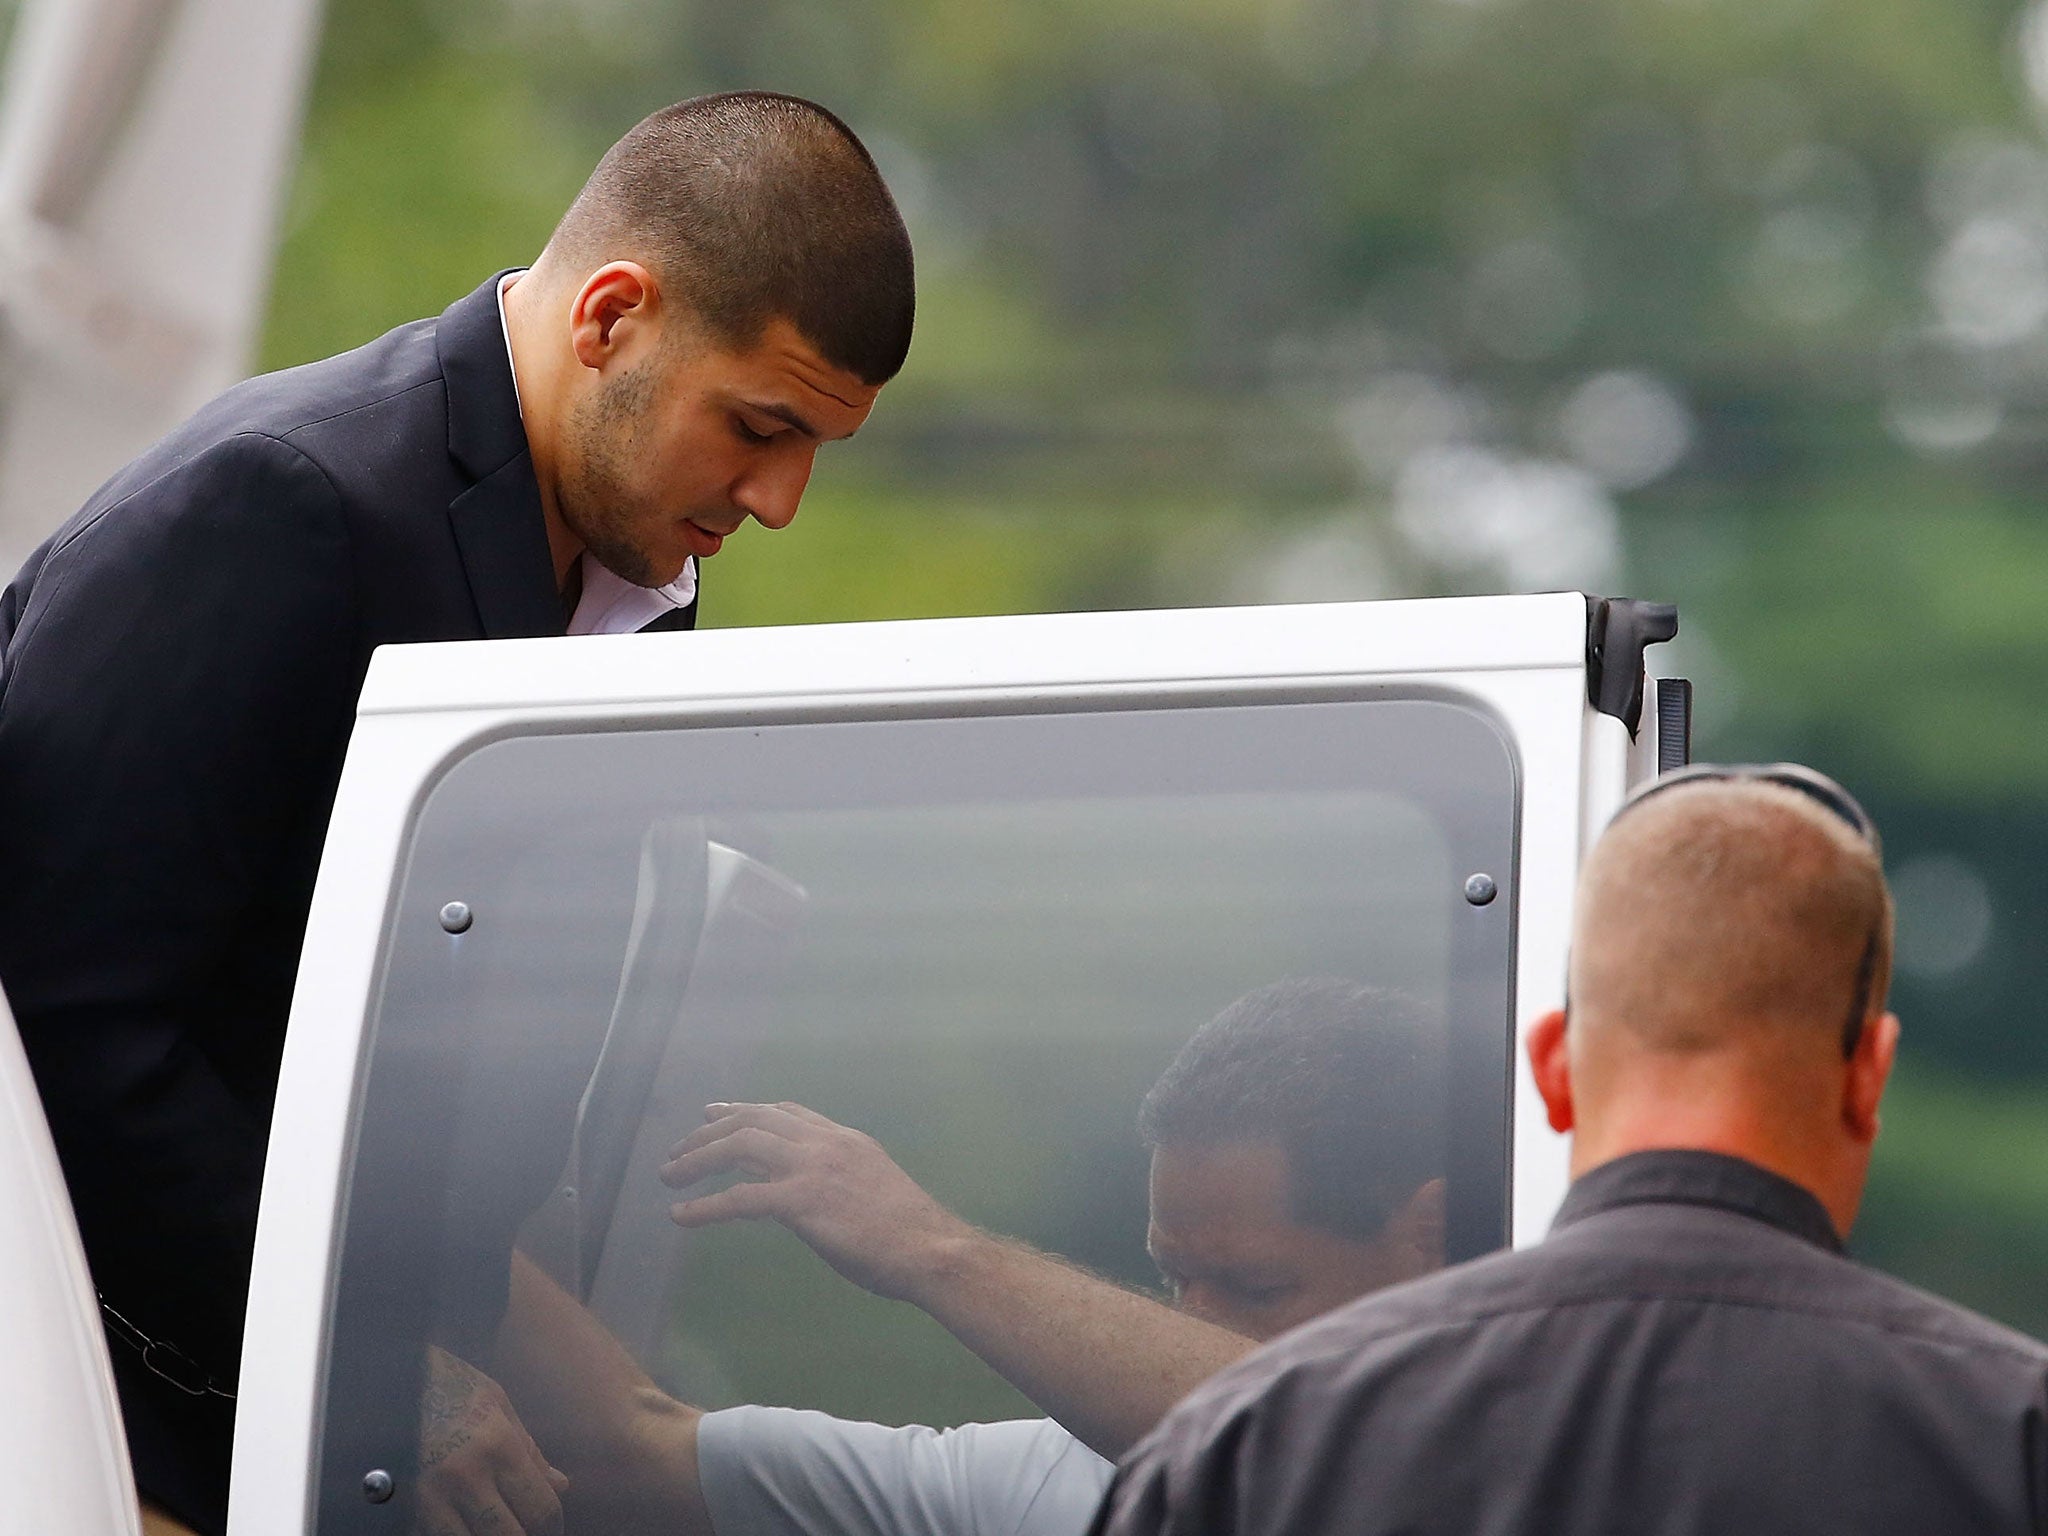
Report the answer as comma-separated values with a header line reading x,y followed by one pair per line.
x,y
947,961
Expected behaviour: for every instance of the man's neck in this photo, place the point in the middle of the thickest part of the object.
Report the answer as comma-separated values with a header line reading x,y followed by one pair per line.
x,y
527,315
1661,1125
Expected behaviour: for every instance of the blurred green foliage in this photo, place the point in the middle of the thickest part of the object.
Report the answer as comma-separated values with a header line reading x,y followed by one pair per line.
x,y
1738,303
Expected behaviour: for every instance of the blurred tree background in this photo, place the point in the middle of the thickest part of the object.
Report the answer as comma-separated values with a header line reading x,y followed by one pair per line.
x,y
1737,303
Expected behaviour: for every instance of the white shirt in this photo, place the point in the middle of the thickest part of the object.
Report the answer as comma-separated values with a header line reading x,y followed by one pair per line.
x,y
610,605
792,1472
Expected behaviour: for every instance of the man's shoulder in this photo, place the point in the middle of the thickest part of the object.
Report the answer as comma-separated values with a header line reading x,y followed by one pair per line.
x,y
1914,1316
1370,1333
1504,1282
353,397
1686,1253
322,431
1660,1255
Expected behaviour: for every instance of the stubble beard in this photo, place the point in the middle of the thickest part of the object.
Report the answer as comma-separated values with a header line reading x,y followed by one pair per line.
x,y
600,506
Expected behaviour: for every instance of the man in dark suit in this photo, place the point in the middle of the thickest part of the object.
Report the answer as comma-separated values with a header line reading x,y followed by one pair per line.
x,y
179,666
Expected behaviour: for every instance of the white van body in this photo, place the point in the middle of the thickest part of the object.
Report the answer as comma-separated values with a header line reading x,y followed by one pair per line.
x,y
58,1415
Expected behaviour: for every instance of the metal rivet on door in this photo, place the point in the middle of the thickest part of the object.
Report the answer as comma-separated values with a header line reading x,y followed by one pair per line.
x,y
456,917
1481,889
378,1486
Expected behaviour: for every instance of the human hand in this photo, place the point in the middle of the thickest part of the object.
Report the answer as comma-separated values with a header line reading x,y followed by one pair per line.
x,y
480,1472
829,1184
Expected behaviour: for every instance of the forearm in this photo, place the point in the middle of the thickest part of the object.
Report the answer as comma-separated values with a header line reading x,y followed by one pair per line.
x,y
1105,1361
628,1448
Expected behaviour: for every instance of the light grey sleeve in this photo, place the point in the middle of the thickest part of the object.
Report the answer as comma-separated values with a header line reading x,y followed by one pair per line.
x,y
792,1472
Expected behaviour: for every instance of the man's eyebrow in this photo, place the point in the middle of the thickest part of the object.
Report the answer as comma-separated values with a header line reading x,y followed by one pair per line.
x,y
789,415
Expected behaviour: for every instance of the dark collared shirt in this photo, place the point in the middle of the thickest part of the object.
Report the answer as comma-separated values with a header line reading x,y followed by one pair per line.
x,y
1688,1352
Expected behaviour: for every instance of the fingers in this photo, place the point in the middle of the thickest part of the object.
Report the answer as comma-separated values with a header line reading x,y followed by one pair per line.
x,y
491,1516
791,1121
529,1485
798,1112
481,1474
437,1517
745,1149
530,1493
476,1510
803,1166
742,1202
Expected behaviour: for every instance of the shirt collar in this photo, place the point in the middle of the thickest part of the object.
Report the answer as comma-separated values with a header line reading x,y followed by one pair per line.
x,y
506,280
610,605
1687,1177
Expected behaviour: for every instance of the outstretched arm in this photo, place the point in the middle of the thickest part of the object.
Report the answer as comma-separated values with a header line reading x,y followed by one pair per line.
x,y
1105,1361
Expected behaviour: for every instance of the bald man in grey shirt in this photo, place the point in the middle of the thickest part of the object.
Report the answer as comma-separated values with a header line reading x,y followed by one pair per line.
x,y
1689,1351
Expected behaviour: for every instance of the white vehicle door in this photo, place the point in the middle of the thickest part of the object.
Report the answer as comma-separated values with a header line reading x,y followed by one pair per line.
x,y
966,885
58,1415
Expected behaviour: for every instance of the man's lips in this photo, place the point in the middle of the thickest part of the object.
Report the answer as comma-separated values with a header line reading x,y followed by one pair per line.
x,y
703,542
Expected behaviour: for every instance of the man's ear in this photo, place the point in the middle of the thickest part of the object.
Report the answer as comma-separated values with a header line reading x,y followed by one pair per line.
x,y
1551,1068
616,310
1869,1069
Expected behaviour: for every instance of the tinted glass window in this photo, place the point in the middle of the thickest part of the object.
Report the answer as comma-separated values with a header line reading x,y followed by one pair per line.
x,y
980,942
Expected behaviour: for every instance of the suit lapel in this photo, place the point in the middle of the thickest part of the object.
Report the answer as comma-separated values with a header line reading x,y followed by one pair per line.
x,y
498,525
504,546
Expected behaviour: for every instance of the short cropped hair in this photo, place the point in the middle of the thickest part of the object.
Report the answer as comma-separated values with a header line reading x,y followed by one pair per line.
x,y
751,206
1718,908
1347,1078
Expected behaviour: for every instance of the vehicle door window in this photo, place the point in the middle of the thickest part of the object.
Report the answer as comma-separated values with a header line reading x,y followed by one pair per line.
x,y
981,946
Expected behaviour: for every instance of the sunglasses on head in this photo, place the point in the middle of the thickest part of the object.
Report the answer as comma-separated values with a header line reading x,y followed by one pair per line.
x,y
1826,793
1813,784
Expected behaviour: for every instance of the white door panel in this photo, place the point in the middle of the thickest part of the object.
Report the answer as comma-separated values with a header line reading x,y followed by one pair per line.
x,y
430,711
58,1416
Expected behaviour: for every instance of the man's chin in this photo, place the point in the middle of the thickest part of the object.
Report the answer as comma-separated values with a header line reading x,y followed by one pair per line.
x,y
665,575
636,566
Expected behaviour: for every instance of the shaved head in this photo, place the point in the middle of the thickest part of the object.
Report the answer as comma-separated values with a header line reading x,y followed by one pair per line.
x,y
1730,956
1730,914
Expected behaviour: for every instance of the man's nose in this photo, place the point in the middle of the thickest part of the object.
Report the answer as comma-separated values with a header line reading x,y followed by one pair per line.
x,y
771,490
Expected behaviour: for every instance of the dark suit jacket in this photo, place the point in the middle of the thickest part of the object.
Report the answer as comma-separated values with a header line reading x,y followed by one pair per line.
x,y
179,667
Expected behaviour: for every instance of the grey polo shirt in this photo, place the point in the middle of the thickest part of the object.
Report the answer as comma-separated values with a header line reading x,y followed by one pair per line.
x,y
1689,1351
793,1472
